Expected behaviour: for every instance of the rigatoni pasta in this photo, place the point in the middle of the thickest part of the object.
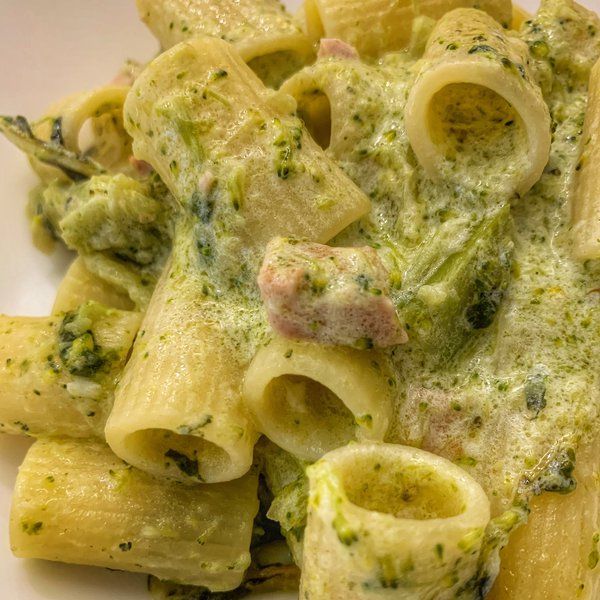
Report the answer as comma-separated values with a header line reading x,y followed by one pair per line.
x,y
191,426
586,195
108,147
75,501
471,65
264,34
383,517
385,25
80,285
561,540
383,265
221,141
58,374
292,387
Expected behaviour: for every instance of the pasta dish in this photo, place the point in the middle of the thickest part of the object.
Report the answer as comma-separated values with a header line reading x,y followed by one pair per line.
x,y
334,315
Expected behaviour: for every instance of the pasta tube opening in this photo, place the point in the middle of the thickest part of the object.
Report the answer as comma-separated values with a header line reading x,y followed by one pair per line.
x,y
416,492
266,36
306,405
471,125
76,502
182,455
475,103
314,108
384,516
309,398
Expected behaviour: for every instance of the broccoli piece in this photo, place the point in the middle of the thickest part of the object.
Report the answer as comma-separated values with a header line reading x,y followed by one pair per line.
x,y
447,299
77,347
75,167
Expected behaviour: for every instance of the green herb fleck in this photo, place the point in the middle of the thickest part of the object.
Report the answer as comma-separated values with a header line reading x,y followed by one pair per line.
x,y
184,463
32,528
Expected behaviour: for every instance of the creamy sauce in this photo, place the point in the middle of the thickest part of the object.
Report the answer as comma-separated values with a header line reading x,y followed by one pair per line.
x,y
525,389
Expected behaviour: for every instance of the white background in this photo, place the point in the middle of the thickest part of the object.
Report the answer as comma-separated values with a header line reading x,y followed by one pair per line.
x,y
48,49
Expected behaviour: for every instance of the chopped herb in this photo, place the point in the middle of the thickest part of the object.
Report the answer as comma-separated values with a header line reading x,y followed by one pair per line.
x,y
24,427
539,49
558,474
56,135
345,533
184,463
535,390
365,343
32,528
482,48
219,74
202,206
191,429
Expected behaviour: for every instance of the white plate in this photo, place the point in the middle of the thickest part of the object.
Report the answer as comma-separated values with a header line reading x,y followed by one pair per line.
x,y
47,50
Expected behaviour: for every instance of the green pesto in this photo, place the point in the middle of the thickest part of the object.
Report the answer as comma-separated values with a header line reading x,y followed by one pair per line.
x,y
184,463
119,224
195,428
32,528
345,533
77,348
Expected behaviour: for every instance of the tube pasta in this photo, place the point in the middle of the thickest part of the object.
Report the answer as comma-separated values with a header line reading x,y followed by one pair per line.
x,y
386,25
586,197
177,409
470,60
119,226
75,501
80,284
383,516
259,30
63,123
561,540
45,388
292,388
187,95
197,419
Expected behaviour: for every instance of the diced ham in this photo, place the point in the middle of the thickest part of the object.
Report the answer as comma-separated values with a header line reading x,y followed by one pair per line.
x,y
336,296
206,182
141,166
332,47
